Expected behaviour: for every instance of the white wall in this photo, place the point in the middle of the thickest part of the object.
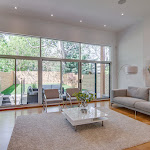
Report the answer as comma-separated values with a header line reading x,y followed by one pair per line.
x,y
130,51
31,26
134,49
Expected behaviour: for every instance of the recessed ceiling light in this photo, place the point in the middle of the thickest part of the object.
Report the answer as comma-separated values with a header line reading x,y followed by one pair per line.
x,y
121,1
104,25
80,20
122,14
52,15
15,7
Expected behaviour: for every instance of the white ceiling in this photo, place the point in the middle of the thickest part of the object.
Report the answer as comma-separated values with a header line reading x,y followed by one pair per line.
x,y
94,13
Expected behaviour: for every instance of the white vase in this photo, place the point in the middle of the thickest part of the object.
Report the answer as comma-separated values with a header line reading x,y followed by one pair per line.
x,y
83,107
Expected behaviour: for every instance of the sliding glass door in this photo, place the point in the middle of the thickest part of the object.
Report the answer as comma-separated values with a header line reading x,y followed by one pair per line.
x,y
7,82
26,81
55,75
69,75
96,79
51,75
103,80
88,77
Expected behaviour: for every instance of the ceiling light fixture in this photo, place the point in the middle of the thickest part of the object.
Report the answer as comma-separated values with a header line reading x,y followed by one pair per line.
x,y
52,15
104,25
15,7
122,14
80,20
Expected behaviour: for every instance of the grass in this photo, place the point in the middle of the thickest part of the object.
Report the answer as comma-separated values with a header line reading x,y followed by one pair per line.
x,y
11,89
65,86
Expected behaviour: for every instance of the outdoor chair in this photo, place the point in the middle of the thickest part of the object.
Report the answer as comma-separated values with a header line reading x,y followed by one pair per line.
x,y
32,95
52,96
69,94
55,86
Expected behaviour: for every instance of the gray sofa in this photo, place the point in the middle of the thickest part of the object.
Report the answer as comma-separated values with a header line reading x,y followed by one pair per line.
x,y
32,95
134,98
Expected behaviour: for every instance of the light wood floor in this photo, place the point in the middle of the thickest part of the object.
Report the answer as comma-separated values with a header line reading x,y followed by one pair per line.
x,y
7,121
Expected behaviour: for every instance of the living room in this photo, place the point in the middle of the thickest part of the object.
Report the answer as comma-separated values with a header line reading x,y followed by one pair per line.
x,y
74,75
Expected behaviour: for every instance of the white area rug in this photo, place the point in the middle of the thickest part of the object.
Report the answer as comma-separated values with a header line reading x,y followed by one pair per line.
x,y
53,132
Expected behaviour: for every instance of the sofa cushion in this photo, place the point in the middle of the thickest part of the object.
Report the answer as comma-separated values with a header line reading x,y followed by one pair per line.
x,y
72,99
127,101
119,93
145,106
54,100
136,92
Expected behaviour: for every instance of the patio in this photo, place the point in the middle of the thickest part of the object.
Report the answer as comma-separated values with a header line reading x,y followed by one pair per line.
x,y
8,95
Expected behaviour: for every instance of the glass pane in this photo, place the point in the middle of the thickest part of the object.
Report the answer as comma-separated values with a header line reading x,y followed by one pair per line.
x,y
26,81
51,48
51,75
7,82
105,53
69,75
90,52
70,50
88,77
102,80
19,45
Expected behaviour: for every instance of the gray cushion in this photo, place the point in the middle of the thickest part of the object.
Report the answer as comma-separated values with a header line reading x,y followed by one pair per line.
x,y
119,93
33,93
55,86
136,92
145,106
127,101
54,100
72,99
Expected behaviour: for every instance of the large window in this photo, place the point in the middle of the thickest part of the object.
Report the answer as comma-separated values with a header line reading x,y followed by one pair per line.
x,y
63,64
19,45
60,49
70,50
95,52
105,54
90,52
51,48
30,46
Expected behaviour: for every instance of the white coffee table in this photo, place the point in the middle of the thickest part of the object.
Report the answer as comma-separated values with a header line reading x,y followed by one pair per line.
x,y
76,117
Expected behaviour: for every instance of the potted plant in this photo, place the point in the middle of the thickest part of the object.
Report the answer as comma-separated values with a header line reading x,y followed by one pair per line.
x,y
84,97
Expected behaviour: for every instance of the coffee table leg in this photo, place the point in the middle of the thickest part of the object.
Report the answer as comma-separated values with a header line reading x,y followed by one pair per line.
x,y
75,127
102,123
